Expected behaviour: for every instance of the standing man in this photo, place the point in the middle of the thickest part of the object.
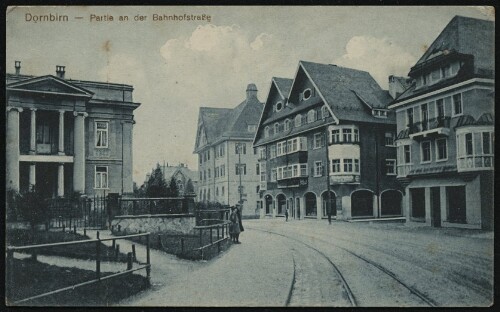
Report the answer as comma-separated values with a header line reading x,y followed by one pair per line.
x,y
286,214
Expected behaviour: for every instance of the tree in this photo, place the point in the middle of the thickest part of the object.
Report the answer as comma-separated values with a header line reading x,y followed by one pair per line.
x,y
173,189
34,208
189,189
157,187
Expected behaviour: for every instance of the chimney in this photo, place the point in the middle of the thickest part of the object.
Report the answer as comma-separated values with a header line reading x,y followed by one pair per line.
x,y
60,71
18,67
251,91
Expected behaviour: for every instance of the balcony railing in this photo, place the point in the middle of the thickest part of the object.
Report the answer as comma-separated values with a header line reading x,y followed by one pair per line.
x,y
404,170
475,162
439,126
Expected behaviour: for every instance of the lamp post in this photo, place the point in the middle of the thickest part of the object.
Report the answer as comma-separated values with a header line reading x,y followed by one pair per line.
x,y
240,187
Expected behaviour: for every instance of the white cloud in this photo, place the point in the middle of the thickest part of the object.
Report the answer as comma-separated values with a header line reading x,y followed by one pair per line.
x,y
379,57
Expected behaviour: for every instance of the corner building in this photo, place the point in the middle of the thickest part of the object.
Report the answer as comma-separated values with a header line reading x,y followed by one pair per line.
x,y
66,136
445,123
228,167
326,143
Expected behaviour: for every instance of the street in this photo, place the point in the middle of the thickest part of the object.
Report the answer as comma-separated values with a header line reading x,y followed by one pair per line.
x,y
311,263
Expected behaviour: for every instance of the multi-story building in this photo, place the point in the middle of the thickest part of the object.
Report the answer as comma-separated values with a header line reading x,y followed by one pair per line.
x,y
228,166
327,137
67,135
446,129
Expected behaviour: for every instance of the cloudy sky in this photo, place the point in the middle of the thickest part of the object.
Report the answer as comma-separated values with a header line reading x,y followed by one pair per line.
x,y
178,66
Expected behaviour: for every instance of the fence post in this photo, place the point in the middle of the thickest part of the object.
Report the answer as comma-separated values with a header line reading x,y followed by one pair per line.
x,y
129,261
148,260
113,243
98,258
134,255
133,207
10,273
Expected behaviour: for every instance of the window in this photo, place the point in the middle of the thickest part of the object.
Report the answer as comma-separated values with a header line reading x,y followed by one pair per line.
x,y
262,153
424,111
217,191
201,158
347,134
208,195
263,173
208,154
266,132
441,149
298,120
241,168
274,175
335,136
208,173
409,117
201,176
335,165
306,94
390,166
469,148
101,177
318,140
273,151
303,170
257,169
276,128
287,125
426,151
223,168
348,165
356,165
407,154
325,112
356,135
457,104
486,143
445,71
222,191
318,168
281,148
279,106
389,139
240,147
101,133
252,128
440,109
311,116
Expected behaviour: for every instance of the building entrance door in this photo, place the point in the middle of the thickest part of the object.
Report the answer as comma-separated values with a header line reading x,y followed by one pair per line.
x,y
435,207
456,204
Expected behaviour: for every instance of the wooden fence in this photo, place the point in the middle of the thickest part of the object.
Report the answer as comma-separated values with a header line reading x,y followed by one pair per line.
x,y
10,279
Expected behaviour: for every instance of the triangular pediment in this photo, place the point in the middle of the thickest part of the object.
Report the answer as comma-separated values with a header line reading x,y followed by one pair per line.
x,y
49,84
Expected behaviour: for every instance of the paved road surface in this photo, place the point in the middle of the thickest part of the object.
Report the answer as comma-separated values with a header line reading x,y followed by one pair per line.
x,y
311,263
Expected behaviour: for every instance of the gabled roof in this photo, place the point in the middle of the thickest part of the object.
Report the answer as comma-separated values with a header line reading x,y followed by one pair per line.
x,y
48,84
466,35
283,85
225,123
350,93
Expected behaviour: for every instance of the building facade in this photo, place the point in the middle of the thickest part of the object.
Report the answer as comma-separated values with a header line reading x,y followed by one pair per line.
x,y
445,123
325,142
66,136
228,167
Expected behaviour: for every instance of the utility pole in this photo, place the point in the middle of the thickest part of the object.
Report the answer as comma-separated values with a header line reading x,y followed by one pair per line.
x,y
240,188
328,200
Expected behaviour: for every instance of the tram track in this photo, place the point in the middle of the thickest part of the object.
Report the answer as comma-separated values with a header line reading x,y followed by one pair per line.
x,y
352,298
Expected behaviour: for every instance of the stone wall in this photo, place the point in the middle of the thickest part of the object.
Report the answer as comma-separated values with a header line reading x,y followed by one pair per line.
x,y
156,224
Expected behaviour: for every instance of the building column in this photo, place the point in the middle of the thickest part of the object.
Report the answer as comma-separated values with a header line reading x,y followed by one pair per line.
x,y
79,152
428,216
127,161
319,207
60,180
61,132
32,175
12,148
33,132
443,204
376,206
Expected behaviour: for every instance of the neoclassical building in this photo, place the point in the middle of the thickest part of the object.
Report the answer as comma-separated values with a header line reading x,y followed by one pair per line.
x,y
325,141
228,166
445,123
65,135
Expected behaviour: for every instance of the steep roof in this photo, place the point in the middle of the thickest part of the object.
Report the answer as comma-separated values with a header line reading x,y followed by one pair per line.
x,y
283,85
224,123
349,91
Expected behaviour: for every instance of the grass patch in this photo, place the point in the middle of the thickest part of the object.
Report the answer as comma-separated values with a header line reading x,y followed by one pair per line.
x,y
32,278
81,251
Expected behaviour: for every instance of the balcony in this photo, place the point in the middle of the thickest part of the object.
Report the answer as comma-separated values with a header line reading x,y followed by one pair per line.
x,y
344,178
432,128
404,170
475,162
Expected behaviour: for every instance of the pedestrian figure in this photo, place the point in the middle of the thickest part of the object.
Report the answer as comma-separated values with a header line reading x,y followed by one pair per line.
x,y
234,229
286,214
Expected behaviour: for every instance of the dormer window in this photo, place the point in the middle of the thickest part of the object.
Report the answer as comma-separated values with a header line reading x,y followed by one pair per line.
x,y
445,71
306,94
279,106
266,132
311,116
287,124
252,128
298,120
276,128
